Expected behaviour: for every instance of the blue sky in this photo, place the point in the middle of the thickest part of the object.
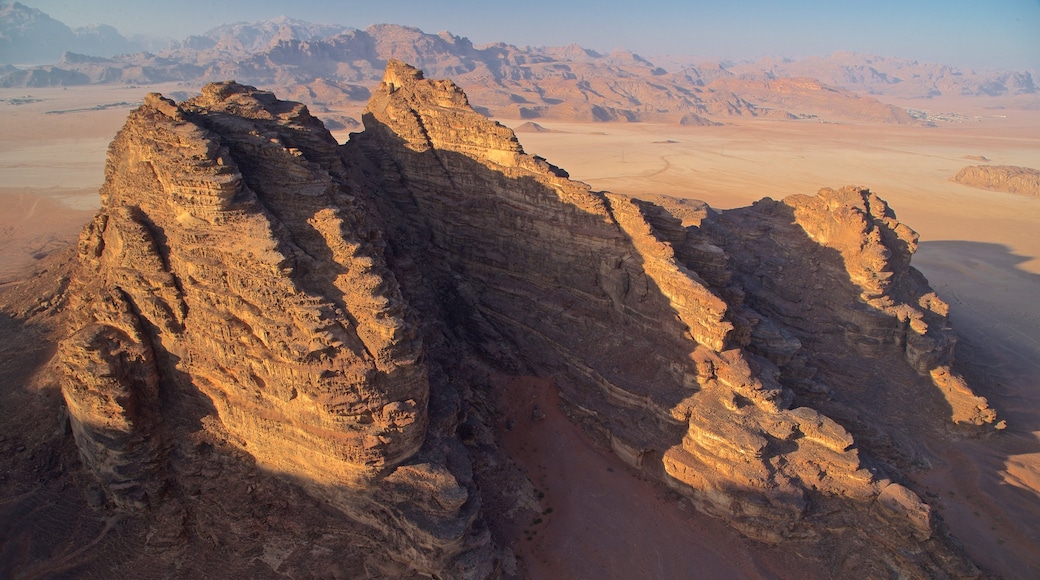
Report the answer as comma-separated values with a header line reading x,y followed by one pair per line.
x,y
993,33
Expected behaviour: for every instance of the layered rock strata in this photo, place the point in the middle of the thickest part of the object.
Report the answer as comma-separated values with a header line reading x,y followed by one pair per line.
x,y
645,322
1007,178
326,306
233,261
834,270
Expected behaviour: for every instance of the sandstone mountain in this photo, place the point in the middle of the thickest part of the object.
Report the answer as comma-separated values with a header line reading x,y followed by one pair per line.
x,y
276,351
1007,178
882,76
244,38
564,83
28,36
805,97
333,66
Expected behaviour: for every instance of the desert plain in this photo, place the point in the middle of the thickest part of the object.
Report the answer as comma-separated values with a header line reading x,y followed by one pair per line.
x,y
979,249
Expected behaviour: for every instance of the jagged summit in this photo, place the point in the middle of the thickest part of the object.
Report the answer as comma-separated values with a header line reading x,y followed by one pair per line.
x,y
254,296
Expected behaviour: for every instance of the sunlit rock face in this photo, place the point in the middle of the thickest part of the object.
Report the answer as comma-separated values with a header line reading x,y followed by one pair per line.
x,y
233,260
230,241
322,309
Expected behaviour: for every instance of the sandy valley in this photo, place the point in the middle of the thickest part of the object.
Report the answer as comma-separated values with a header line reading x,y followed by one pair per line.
x,y
979,249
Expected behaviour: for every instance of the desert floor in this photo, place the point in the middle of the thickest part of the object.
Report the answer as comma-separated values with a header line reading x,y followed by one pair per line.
x,y
52,165
979,249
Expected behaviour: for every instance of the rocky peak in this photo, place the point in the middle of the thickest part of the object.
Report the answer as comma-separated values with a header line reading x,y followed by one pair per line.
x,y
333,312
400,75
232,268
436,115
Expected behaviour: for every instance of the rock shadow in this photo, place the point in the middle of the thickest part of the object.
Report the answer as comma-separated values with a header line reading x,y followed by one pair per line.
x,y
535,283
516,248
853,364
992,305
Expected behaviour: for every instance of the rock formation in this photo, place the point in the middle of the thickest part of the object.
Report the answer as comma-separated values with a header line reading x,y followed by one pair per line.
x,y
1006,178
232,261
332,312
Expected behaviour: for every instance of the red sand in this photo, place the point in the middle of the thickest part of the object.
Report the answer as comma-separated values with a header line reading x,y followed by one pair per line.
x,y
608,522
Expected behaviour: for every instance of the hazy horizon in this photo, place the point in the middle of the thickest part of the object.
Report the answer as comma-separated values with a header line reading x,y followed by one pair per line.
x,y
1000,34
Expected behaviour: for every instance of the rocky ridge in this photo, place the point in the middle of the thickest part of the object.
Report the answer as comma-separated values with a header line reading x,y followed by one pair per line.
x,y
1006,178
232,265
332,314
329,67
867,74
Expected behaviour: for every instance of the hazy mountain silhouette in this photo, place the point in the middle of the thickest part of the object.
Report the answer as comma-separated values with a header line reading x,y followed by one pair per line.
x,y
28,36
328,65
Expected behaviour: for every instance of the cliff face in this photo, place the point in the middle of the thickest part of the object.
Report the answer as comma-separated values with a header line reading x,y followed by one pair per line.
x,y
269,290
834,270
331,311
232,264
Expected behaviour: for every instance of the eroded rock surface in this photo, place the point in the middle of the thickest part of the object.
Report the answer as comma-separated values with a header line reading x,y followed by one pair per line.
x,y
332,312
1006,178
232,263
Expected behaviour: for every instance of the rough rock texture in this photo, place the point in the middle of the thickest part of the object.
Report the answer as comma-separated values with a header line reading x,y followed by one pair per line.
x,y
1007,178
839,317
232,263
640,318
331,312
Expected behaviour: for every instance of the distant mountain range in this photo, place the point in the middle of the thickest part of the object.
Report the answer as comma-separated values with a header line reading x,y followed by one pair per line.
x,y
329,66
894,77
28,36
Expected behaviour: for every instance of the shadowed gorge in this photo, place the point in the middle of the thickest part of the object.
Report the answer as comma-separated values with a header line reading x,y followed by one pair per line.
x,y
262,321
